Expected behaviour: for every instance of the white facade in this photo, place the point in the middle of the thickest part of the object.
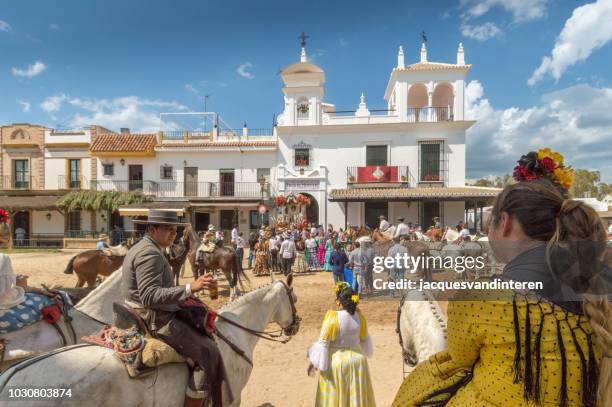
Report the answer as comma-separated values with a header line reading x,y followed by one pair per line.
x,y
425,108
425,104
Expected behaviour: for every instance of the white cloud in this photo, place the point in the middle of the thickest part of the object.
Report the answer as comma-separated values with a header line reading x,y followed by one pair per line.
x,y
53,103
480,32
587,30
4,26
54,27
25,105
573,121
242,70
35,69
522,10
128,111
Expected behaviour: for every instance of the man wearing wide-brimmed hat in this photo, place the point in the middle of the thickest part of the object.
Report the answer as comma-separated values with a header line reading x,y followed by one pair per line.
x,y
102,242
148,287
384,225
401,229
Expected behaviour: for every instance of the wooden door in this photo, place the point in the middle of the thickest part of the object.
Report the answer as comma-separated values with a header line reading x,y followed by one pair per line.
x,y
135,177
226,179
191,181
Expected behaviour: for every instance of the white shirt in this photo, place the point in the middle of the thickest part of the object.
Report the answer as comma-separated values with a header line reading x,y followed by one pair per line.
x,y
349,327
287,249
311,244
401,229
384,225
234,234
239,243
464,233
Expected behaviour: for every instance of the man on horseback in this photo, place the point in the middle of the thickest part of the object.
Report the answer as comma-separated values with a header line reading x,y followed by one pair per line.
x,y
384,225
148,288
208,244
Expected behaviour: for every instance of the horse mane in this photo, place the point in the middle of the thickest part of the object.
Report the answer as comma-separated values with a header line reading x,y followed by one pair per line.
x,y
247,296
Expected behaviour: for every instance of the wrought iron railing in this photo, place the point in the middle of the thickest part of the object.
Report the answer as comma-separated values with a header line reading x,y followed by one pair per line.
x,y
18,181
146,186
174,189
69,182
430,114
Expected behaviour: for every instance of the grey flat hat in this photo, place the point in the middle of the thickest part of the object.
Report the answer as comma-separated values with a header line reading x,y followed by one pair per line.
x,y
158,217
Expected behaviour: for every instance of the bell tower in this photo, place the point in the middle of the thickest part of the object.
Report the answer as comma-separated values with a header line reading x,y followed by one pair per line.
x,y
303,91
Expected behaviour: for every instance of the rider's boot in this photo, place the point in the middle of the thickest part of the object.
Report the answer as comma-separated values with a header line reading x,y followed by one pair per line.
x,y
191,402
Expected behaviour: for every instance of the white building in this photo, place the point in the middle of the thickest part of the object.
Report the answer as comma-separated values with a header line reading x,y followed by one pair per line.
x,y
406,160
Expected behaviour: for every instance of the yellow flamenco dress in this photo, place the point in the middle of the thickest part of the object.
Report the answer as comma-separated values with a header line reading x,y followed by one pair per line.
x,y
506,349
340,356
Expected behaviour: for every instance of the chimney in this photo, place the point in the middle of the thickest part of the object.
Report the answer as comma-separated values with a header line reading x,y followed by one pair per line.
x,y
460,55
400,58
125,130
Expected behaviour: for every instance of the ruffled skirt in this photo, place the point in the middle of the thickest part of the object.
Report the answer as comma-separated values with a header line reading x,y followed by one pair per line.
x,y
347,382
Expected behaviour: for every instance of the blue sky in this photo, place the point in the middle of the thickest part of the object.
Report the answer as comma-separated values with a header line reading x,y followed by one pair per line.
x,y
119,63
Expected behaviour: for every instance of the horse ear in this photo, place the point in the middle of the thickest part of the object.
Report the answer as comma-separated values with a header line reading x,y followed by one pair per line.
x,y
290,279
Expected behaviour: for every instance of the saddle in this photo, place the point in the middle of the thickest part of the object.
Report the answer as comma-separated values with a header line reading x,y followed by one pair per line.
x,y
140,353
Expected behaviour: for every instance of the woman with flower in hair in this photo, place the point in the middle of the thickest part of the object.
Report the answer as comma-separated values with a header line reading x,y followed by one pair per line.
x,y
340,355
551,346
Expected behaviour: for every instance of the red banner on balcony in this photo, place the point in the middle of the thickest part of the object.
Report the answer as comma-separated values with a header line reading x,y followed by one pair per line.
x,y
377,173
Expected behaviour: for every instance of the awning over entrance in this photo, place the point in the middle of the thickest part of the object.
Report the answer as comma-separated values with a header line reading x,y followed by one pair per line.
x,y
414,194
142,209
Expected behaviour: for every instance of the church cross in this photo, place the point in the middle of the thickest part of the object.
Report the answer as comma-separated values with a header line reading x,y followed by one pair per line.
x,y
303,37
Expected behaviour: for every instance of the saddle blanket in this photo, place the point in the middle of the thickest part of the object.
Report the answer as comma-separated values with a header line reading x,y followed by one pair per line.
x,y
27,313
139,354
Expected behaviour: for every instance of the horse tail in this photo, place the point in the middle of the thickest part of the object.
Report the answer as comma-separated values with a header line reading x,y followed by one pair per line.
x,y
69,268
238,273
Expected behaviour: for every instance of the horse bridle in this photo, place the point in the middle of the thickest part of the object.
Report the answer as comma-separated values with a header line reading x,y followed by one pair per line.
x,y
275,335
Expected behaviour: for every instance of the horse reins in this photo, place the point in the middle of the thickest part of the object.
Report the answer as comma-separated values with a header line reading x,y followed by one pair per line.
x,y
273,336
276,334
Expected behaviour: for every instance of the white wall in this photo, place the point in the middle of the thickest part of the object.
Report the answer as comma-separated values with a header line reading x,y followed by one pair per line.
x,y
41,225
454,211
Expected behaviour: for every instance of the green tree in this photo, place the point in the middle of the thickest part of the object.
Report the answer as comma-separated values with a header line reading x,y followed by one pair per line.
x,y
483,182
100,200
585,184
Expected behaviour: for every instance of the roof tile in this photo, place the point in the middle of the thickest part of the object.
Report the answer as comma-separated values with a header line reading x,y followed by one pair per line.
x,y
114,142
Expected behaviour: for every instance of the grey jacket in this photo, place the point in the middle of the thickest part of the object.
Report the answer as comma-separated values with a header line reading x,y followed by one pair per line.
x,y
148,280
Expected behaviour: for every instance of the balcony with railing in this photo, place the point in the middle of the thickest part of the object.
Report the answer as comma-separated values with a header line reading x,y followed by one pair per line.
x,y
215,135
19,182
189,189
72,183
373,175
430,114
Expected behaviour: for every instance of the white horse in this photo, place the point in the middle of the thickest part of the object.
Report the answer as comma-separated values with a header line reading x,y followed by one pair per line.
x,y
87,317
94,374
421,326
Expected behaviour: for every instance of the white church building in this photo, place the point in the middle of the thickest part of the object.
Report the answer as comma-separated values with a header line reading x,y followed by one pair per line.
x,y
407,161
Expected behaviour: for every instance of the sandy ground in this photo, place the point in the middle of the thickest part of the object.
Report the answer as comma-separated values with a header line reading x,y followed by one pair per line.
x,y
279,378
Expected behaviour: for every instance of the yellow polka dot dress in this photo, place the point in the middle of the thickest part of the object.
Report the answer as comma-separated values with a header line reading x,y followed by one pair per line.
x,y
548,360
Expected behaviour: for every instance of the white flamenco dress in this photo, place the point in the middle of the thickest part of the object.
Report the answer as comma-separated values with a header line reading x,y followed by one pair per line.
x,y
340,355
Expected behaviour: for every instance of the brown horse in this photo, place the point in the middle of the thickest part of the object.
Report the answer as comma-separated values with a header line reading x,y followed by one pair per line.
x,y
223,258
179,252
91,263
